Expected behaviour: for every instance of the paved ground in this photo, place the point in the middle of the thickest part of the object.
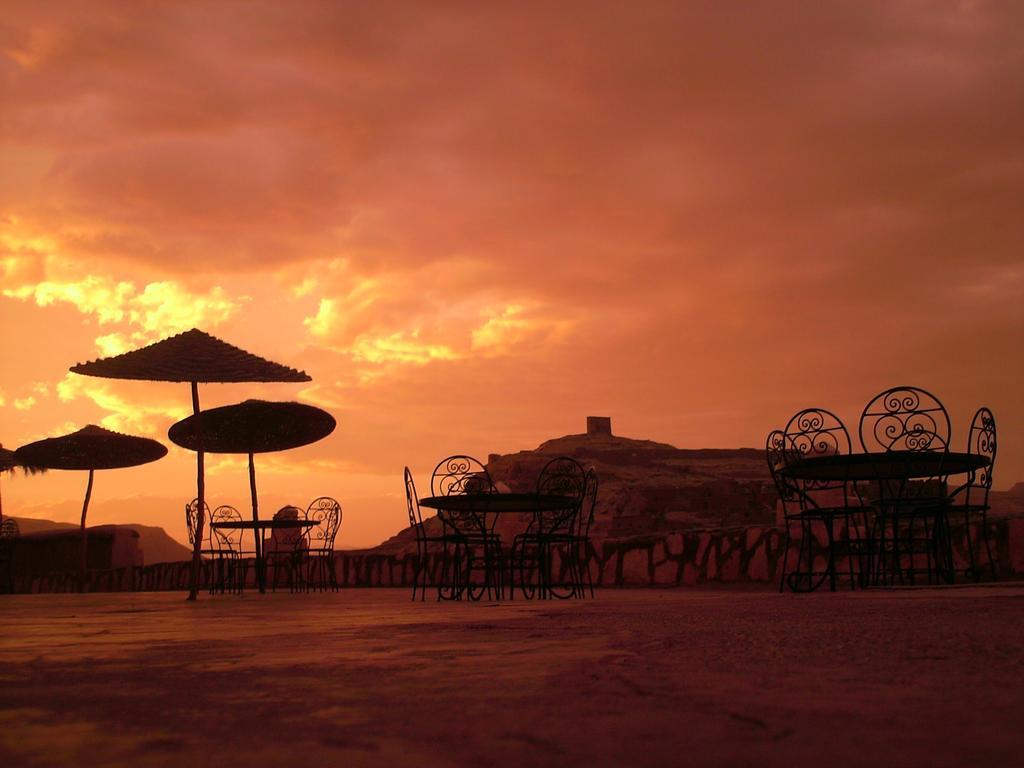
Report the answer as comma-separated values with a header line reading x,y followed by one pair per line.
x,y
364,677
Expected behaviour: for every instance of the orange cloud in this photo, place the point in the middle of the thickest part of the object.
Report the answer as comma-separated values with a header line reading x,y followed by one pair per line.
x,y
160,309
474,224
122,414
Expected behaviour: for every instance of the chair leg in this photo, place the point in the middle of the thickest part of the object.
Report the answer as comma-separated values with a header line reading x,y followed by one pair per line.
x,y
806,545
988,545
416,569
785,557
586,560
972,567
847,539
830,562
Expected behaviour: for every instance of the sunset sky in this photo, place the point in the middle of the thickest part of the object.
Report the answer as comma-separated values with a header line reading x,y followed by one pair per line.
x,y
475,226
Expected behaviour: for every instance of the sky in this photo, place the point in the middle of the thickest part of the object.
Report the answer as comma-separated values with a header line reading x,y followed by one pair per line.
x,y
476,224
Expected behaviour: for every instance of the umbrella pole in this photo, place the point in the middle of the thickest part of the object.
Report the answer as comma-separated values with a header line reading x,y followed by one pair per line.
x,y
261,575
200,496
85,539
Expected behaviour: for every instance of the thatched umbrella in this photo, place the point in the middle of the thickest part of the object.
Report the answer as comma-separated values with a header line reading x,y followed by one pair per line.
x,y
192,357
254,426
8,463
90,448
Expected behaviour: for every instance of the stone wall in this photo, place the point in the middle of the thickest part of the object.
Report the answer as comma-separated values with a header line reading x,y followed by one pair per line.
x,y
751,555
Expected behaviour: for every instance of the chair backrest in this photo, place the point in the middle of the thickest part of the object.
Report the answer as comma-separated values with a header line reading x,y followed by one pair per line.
x,y
904,419
289,539
227,539
460,474
775,452
327,512
981,441
192,519
810,433
413,504
562,476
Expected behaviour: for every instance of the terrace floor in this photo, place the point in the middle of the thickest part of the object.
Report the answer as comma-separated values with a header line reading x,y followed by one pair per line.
x,y
637,677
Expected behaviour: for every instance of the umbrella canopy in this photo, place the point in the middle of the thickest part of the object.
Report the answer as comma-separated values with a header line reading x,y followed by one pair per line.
x,y
7,462
91,447
187,357
193,357
254,426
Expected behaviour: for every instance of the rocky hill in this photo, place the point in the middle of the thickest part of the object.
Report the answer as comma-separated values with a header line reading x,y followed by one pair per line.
x,y
648,487
644,487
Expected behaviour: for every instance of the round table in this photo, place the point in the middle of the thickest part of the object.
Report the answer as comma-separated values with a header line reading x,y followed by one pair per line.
x,y
285,523
500,503
893,471
894,465
473,509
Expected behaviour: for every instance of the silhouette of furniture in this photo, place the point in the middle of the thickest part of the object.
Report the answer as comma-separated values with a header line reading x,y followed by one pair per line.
x,y
251,427
888,473
424,542
911,519
580,548
552,532
286,555
481,512
194,357
326,513
209,553
89,449
226,546
831,504
471,547
970,500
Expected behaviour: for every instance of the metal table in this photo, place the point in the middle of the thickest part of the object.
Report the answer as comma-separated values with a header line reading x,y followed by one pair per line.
x,y
894,465
473,511
892,471
500,503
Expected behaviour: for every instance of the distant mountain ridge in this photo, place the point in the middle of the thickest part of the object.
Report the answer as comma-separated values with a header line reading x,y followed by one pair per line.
x,y
156,545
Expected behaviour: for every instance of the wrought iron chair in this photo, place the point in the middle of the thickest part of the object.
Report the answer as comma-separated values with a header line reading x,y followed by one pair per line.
x,y
9,534
421,574
471,546
287,548
580,546
912,517
208,554
226,550
971,499
321,573
822,504
775,447
550,532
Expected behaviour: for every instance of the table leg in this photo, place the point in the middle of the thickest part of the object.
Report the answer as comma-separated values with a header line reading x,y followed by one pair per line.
x,y
261,566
